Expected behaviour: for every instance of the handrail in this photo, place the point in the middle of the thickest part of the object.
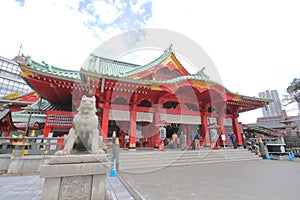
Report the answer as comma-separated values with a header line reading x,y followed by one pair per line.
x,y
41,145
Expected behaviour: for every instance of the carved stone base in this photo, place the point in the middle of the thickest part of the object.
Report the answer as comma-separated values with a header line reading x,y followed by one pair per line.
x,y
75,177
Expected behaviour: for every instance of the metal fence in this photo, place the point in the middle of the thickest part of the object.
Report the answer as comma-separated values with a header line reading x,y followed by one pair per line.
x,y
21,146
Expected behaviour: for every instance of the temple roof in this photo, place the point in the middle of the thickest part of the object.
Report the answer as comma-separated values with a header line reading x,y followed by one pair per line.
x,y
46,105
152,64
29,96
4,112
56,84
104,66
37,110
41,106
47,69
23,118
6,122
109,67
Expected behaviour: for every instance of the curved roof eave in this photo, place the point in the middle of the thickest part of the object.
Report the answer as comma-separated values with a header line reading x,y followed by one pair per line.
x,y
55,74
48,70
165,55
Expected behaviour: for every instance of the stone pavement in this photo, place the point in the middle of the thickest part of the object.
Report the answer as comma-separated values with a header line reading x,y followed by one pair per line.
x,y
260,179
257,180
30,188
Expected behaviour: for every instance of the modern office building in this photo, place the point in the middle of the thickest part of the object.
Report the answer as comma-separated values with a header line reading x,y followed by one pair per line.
x,y
10,79
274,108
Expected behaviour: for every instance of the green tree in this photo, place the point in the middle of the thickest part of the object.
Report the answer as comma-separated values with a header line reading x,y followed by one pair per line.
x,y
293,92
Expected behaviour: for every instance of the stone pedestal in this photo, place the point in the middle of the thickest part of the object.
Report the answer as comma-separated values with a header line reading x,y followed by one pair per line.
x,y
75,177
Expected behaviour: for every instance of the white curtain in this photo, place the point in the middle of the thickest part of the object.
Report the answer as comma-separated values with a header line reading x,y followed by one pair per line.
x,y
124,115
180,119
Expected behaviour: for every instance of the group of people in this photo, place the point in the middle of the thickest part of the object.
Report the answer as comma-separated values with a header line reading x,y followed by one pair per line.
x,y
181,141
195,137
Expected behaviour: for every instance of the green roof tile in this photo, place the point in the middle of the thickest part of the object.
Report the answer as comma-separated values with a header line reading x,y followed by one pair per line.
x,y
23,118
3,112
49,69
109,67
150,65
104,66
117,70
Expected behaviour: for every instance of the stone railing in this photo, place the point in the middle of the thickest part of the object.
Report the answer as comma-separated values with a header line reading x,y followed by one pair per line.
x,y
20,146
27,154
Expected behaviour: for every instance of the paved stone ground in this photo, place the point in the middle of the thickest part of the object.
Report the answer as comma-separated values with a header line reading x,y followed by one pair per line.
x,y
21,187
248,180
30,188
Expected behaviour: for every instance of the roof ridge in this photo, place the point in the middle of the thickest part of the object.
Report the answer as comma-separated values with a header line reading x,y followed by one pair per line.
x,y
167,52
46,68
112,60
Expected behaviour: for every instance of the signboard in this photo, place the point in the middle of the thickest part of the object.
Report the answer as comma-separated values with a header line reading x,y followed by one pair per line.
x,y
223,137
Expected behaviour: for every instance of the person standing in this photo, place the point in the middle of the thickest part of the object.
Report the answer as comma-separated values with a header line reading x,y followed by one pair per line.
x,y
233,140
182,141
192,138
197,141
174,140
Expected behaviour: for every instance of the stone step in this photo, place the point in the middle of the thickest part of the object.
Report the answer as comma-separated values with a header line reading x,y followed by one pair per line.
x,y
156,160
154,167
148,163
183,157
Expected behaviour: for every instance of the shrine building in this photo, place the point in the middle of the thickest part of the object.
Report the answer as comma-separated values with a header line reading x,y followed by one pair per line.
x,y
136,100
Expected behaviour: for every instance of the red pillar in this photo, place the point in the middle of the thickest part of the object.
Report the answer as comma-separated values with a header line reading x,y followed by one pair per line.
x,y
188,135
204,129
132,137
236,129
105,119
156,128
46,131
105,114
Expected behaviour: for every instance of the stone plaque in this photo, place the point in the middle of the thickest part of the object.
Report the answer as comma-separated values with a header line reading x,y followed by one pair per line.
x,y
75,188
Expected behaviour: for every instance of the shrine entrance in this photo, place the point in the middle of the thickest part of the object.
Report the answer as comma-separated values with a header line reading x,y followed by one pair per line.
x,y
173,128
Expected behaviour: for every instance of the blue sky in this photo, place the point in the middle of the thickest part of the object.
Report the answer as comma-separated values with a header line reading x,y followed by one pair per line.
x,y
255,45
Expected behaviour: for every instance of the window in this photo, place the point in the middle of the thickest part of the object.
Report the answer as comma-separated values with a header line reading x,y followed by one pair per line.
x,y
5,81
5,64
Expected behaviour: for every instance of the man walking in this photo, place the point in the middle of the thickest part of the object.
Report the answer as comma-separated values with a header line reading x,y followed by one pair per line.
x,y
233,140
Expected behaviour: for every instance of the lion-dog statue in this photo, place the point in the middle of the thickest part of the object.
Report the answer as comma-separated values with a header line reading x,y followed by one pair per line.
x,y
84,130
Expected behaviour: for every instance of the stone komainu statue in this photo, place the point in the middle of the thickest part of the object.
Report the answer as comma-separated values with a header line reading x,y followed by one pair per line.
x,y
85,128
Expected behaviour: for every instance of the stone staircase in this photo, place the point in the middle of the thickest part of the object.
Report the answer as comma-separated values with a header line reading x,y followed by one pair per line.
x,y
147,161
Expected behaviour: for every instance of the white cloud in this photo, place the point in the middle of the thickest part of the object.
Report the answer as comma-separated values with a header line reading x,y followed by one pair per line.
x,y
107,12
48,31
254,44
137,6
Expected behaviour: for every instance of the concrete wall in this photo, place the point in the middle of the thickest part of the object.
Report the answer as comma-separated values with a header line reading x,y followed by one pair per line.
x,y
4,162
22,165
